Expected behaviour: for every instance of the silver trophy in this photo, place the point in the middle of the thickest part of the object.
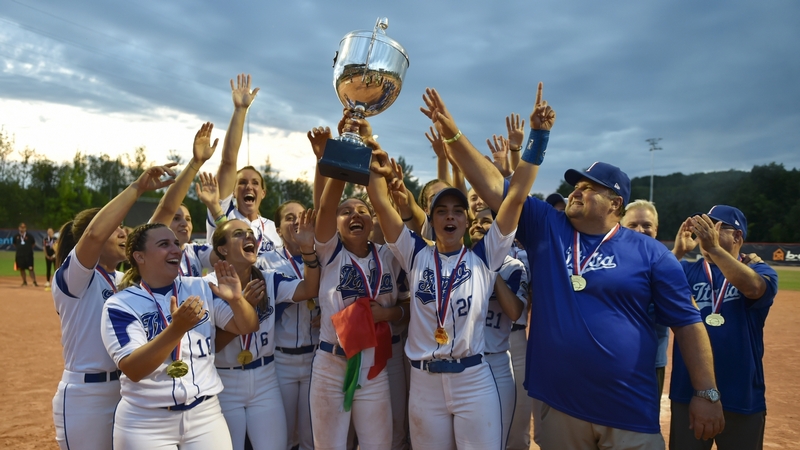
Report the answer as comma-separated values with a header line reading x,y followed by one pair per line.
x,y
368,72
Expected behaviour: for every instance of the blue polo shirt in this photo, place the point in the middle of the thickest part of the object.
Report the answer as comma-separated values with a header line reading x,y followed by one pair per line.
x,y
738,344
591,353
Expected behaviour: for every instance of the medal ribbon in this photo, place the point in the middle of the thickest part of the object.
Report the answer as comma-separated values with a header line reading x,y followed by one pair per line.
x,y
372,292
188,265
293,263
261,236
716,298
443,295
577,269
107,277
176,354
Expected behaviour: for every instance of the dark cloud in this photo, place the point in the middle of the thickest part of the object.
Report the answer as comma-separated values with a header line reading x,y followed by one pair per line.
x,y
716,81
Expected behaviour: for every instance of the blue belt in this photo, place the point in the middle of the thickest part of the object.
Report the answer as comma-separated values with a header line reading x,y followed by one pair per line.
x,y
253,365
297,351
331,348
517,327
101,377
447,365
190,405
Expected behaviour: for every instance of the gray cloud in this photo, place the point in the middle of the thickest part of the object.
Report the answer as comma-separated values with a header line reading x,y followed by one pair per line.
x,y
716,82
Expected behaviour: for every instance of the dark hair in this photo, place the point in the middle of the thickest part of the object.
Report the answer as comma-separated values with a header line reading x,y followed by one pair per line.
x,y
423,193
279,211
71,232
261,177
362,200
135,243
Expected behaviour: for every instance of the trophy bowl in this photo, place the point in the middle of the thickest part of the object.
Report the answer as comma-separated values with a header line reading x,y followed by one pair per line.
x,y
368,73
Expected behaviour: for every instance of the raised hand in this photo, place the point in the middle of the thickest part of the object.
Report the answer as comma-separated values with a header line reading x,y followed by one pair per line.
x,y
542,117
186,316
254,291
202,149
318,136
436,110
380,164
305,229
500,154
706,230
150,179
228,287
207,189
516,131
241,93
435,138
396,186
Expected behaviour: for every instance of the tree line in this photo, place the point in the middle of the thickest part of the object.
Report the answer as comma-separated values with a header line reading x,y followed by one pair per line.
x,y
45,194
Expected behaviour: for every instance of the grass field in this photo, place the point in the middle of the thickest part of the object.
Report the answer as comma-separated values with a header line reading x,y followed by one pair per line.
x,y
788,277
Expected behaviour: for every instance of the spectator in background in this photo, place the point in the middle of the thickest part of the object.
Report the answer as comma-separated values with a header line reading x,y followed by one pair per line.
x,y
641,216
49,244
24,243
556,201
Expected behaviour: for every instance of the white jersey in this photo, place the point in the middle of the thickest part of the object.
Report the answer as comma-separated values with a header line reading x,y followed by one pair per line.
x,y
293,320
132,319
195,258
264,229
79,294
279,289
518,253
469,297
498,325
341,284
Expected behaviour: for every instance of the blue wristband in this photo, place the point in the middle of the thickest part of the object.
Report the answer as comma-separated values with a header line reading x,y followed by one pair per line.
x,y
536,147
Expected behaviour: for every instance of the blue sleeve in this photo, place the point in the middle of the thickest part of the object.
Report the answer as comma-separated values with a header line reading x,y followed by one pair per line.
x,y
120,320
277,279
419,244
514,280
671,293
771,278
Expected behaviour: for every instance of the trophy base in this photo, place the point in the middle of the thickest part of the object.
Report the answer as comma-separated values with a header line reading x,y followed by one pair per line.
x,y
346,161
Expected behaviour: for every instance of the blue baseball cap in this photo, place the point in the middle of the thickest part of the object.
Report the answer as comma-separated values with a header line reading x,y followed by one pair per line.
x,y
605,174
555,198
729,216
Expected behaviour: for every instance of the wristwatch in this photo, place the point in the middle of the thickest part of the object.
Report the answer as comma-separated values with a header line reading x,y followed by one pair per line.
x,y
711,395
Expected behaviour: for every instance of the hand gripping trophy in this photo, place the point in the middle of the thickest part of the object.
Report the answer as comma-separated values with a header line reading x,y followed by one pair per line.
x,y
368,72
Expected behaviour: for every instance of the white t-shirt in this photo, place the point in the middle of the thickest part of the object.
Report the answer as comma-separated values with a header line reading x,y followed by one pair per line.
x,y
466,312
132,319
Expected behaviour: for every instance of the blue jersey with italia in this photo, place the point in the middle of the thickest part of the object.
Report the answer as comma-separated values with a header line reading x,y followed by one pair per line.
x,y
738,344
591,353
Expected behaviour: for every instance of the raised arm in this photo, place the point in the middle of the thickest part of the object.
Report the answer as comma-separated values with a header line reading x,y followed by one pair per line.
x,y
242,98
309,287
228,288
390,220
745,279
413,216
499,151
684,242
318,136
108,219
516,134
480,173
202,151
442,164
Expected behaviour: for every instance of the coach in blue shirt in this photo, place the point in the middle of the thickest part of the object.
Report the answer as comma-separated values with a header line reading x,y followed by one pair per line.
x,y
592,345
734,300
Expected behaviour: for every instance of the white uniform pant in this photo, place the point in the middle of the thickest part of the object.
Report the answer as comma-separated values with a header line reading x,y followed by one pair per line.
x,y
294,377
200,428
251,402
455,410
397,388
83,414
519,438
371,411
501,369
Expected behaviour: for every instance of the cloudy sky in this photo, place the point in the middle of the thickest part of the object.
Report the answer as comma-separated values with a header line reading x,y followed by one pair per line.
x,y
718,82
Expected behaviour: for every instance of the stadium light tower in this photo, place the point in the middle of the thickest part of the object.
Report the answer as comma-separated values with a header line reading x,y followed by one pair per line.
x,y
653,147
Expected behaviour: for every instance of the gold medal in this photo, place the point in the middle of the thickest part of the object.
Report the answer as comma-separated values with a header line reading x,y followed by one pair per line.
x,y
441,336
715,319
311,305
177,369
244,357
578,282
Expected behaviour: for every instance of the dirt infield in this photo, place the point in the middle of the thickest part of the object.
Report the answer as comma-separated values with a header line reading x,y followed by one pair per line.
x,y
32,363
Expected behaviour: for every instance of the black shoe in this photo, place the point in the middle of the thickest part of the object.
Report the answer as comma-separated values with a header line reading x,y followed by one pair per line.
x,y
36,284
